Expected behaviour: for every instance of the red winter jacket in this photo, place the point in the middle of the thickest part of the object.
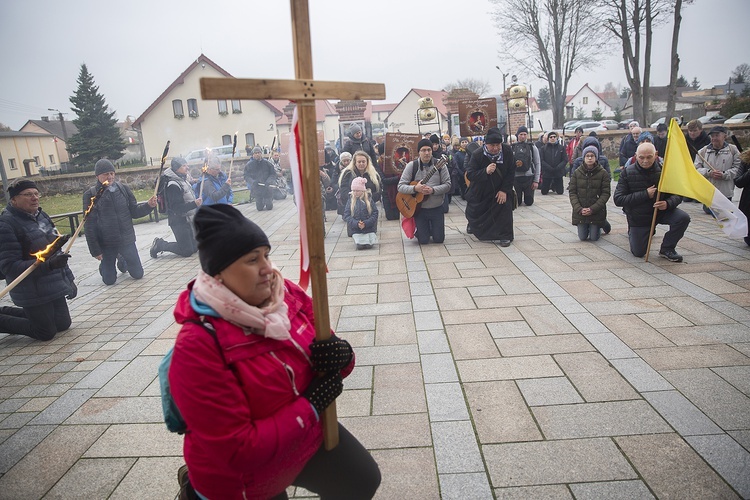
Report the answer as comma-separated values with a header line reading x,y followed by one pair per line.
x,y
250,432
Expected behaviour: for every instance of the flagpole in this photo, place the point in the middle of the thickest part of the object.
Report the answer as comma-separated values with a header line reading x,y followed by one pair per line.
x,y
658,195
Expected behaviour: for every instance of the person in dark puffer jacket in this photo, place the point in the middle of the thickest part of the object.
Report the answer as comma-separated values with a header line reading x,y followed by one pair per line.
x,y
554,160
24,228
636,193
109,226
589,191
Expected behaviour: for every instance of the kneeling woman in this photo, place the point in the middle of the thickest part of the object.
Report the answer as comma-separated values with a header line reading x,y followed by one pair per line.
x,y
589,191
249,393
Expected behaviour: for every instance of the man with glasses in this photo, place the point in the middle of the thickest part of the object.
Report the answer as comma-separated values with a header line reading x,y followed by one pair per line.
x,y
42,311
109,227
636,194
216,186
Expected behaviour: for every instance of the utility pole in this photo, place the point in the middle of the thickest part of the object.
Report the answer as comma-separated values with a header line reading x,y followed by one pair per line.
x,y
64,131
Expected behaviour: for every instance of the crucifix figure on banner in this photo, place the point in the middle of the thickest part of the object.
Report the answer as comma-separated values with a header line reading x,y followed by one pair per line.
x,y
304,91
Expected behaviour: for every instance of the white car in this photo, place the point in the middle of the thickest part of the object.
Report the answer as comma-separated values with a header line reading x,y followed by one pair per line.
x,y
739,118
610,124
588,126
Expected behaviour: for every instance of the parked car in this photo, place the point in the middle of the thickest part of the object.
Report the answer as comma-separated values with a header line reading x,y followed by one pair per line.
x,y
588,126
610,124
739,118
711,119
663,120
198,156
571,125
624,123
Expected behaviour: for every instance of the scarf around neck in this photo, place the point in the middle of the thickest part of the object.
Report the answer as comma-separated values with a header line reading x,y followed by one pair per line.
x,y
270,321
493,158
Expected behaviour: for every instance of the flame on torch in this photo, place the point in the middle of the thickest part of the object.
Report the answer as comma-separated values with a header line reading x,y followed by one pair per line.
x,y
42,255
93,198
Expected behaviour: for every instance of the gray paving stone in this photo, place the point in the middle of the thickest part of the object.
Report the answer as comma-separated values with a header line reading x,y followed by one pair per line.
x,y
91,478
567,305
594,378
432,342
617,418
705,356
547,344
355,324
742,437
681,413
14,447
407,473
585,322
671,468
17,420
510,329
136,440
610,346
383,355
41,468
438,368
499,412
738,376
359,378
398,389
101,375
446,402
552,492
118,411
456,449
469,486
641,375
727,457
507,368
553,462
421,303
151,478
132,379
615,490
390,431
130,350
548,391
57,412
428,320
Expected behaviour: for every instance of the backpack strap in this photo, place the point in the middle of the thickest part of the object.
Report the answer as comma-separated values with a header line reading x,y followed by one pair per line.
x,y
210,329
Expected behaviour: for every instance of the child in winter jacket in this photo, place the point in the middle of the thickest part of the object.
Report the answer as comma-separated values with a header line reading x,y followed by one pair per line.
x,y
361,215
589,190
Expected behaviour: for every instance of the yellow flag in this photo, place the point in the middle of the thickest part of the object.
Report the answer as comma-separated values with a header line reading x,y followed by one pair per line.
x,y
679,175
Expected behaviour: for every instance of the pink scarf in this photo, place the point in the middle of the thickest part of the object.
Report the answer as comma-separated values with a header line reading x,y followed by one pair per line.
x,y
271,321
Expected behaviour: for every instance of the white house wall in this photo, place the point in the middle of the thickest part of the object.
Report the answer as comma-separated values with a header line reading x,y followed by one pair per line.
x,y
594,101
405,115
20,148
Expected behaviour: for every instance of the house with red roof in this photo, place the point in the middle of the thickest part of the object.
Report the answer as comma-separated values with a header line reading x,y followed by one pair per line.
x,y
403,117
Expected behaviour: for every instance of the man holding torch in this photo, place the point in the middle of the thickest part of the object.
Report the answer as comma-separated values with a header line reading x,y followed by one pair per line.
x,y
109,228
25,230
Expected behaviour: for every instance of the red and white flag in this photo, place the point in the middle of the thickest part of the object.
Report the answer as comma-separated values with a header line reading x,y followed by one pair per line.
x,y
294,156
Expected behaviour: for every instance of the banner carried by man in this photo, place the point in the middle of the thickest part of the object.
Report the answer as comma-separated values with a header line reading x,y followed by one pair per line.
x,y
679,176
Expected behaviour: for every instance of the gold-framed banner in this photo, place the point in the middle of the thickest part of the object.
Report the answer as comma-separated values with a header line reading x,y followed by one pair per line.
x,y
477,116
400,149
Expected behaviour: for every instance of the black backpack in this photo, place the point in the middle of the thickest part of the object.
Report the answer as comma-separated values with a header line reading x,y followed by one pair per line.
x,y
161,195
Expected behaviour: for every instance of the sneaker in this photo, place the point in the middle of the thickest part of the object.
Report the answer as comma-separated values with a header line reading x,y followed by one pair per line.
x,y
122,266
670,255
186,489
155,248
504,243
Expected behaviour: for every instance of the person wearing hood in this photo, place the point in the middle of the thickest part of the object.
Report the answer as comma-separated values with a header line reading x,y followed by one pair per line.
x,y
589,189
110,235
260,177
490,197
181,207
358,142
250,380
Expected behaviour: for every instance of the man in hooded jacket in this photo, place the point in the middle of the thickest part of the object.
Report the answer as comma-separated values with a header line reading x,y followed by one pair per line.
x,y
358,142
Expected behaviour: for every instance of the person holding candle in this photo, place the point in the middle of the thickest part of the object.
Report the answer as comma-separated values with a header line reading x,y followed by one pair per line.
x,y
25,228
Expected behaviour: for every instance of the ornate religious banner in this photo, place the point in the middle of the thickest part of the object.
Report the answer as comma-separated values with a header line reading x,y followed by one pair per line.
x,y
477,116
400,149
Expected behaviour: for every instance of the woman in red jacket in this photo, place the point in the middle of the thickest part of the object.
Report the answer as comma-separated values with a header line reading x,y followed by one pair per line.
x,y
249,393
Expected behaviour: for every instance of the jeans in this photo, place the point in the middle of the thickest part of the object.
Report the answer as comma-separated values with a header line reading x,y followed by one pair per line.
x,y
430,222
588,231
128,252
40,322
676,219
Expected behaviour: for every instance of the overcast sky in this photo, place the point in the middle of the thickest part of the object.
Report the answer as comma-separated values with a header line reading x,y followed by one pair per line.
x,y
136,49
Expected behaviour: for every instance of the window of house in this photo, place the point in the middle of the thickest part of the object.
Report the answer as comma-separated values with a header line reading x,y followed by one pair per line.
x,y
222,107
12,164
585,100
226,140
192,108
177,108
51,159
236,106
36,160
250,140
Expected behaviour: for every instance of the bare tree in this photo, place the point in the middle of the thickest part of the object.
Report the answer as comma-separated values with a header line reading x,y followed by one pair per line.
x,y
550,39
672,92
479,87
741,73
632,22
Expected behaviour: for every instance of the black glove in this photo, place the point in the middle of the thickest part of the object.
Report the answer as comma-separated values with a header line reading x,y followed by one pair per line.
x,y
330,354
74,291
57,261
322,391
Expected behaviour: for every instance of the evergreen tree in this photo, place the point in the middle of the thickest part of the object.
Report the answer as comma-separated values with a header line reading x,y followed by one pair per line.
x,y
543,98
682,81
695,83
98,135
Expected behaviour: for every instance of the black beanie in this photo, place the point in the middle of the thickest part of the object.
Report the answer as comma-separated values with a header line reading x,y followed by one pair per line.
x,y
224,235
18,187
423,143
103,166
177,163
493,136
434,139
522,129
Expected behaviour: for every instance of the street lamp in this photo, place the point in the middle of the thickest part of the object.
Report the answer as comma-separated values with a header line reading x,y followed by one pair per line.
x,y
504,75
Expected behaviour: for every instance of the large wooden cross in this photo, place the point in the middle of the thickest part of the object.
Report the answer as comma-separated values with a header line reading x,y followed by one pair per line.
x,y
304,90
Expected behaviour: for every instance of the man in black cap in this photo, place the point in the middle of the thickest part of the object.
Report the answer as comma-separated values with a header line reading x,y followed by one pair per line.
x,y
260,176
490,197
181,207
358,142
24,229
109,226
528,167
430,217
554,162
719,162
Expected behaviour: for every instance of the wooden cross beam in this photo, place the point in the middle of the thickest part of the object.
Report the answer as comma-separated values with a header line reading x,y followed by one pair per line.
x,y
304,90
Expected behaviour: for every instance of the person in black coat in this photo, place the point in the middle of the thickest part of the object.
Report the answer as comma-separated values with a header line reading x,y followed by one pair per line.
x,y
42,311
554,160
636,194
260,176
356,141
109,226
743,181
332,170
490,196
